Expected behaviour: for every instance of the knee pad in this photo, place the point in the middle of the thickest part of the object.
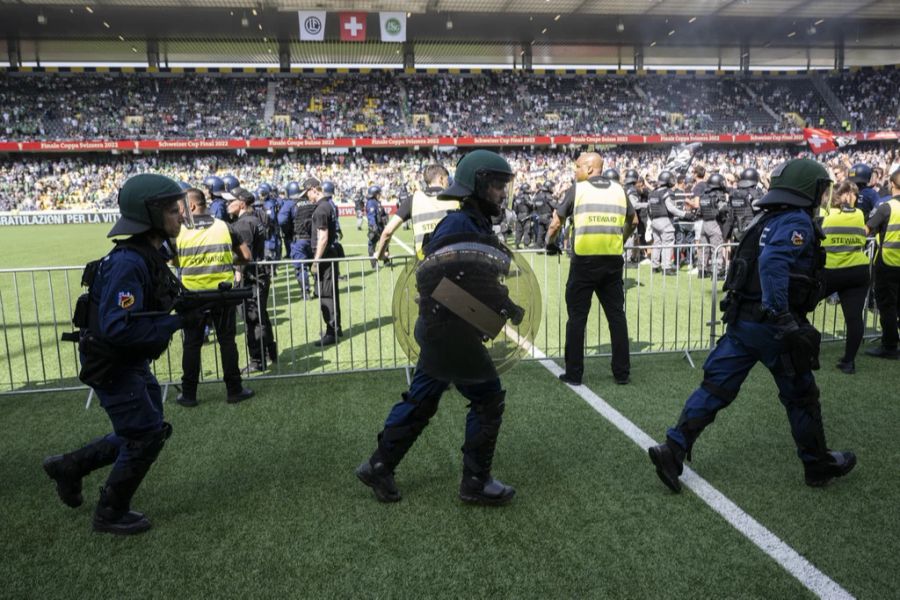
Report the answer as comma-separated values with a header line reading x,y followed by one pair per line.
x,y
490,415
716,390
808,400
146,447
417,420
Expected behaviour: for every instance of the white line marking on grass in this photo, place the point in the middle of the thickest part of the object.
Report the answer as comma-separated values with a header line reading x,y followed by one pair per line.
x,y
804,571
404,245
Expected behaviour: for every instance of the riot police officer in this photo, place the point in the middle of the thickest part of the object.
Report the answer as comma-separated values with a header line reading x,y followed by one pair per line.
x,y
861,175
741,203
661,208
270,208
771,285
359,205
637,199
116,349
542,204
713,211
480,183
376,218
612,175
215,187
523,211
286,213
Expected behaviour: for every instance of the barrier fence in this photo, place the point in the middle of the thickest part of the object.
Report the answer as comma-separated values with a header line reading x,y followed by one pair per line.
x,y
666,313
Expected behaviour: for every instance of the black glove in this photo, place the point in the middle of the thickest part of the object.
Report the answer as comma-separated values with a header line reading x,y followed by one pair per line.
x,y
690,217
552,249
800,344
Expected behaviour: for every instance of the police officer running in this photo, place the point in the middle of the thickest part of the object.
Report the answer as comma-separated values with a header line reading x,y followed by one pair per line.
x,y
603,219
205,257
847,266
885,224
422,208
116,350
542,203
772,284
480,183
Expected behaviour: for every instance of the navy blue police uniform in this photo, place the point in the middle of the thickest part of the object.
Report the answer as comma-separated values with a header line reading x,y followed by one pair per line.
x,y
773,282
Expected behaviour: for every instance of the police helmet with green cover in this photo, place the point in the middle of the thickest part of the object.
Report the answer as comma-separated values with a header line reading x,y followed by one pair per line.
x,y
800,182
141,202
474,172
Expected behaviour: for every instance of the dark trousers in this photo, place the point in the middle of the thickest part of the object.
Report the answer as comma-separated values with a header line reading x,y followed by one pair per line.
x,y
224,319
887,295
602,277
330,294
523,231
260,339
851,285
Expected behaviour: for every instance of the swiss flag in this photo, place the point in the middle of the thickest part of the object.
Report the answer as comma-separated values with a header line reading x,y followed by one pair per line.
x,y
353,26
820,140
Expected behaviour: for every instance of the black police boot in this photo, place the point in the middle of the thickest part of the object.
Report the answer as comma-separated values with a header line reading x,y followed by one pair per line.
x,y
883,352
114,516
240,396
847,366
67,470
669,461
376,474
835,464
485,490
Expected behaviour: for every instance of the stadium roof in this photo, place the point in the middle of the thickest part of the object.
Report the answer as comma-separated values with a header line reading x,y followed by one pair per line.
x,y
779,33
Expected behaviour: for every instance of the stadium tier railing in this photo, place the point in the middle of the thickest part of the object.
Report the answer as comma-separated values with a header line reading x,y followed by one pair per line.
x,y
677,313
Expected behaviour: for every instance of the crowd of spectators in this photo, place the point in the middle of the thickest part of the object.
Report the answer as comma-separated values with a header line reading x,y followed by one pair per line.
x,y
90,182
141,106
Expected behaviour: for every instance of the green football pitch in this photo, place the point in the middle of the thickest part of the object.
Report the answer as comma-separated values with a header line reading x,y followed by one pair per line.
x,y
260,500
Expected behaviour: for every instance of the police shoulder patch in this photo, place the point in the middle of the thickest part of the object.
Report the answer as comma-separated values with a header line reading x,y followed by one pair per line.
x,y
126,300
797,238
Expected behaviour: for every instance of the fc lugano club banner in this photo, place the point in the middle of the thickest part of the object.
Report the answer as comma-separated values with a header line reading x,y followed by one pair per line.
x,y
411,142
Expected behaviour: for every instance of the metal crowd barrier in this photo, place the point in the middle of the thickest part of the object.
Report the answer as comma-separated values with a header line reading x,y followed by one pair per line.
x,y
666,313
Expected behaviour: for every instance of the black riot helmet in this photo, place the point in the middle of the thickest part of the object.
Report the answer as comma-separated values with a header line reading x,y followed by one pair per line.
x,y
631,176
475,173
612,175
716,182
749,178
665,179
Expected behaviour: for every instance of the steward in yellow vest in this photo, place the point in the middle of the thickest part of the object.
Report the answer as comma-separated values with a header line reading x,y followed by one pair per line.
x,y
603,218
885,224
845,238
423,208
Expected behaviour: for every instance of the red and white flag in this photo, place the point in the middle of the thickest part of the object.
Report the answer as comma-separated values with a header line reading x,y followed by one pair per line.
x,y
822,140
353,26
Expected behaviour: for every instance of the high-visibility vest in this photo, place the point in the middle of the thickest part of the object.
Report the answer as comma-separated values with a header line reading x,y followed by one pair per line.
x,y
890,245
845,238
427,212
599,217
204,256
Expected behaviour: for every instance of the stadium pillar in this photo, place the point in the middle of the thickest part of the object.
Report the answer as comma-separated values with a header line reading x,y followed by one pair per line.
x,y
527,63
284,55
839,52
745,57
638,57
153,54
409,56
15,59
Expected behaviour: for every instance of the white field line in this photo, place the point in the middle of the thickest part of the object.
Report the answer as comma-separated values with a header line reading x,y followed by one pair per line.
x,y
790,560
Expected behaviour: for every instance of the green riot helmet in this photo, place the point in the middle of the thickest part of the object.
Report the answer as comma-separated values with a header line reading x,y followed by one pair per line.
x,y
476,173
801,182
142,199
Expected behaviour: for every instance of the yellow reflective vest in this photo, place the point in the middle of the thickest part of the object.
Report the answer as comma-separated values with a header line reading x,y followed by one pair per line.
x,y
204,255
890,245
845,238
599,218
427,212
